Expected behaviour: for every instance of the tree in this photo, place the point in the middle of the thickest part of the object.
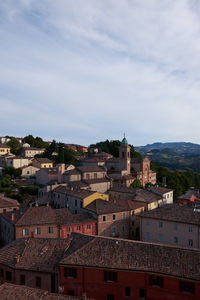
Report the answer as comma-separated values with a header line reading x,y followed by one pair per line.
x,y
136,184
30,140
14,173
14,145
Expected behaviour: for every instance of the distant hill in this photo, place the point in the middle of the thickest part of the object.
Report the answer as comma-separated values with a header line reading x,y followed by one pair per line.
x,y
179,147
175,156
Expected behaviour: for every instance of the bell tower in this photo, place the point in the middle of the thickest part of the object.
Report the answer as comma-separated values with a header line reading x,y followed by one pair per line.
x,y
124,156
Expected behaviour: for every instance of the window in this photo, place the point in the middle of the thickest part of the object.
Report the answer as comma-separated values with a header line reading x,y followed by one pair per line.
x,y
190,243
37,230
27,172
68,229
8,275
38,282
123,215
110,276
70,272
160,237
22,279
78,228
95,175
175,226
175,240
160,224
123,228
50,229
122,154
156,281
147,235
75,202
147,223
190,229
110,297
186,287
88,226
75,211
81,204
70,293
127,291
1,272
114,217
87,176
25,232
142,293
104,218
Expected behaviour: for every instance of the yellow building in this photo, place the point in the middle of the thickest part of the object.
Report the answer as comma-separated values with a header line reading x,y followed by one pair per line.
x,y
94,196
42,163
4,149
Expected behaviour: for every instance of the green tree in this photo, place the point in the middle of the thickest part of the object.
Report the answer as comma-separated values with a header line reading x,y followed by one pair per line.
x,y
13,172
30,140
136,184
14,144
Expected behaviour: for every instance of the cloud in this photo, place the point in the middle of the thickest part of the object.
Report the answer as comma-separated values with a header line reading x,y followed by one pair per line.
x,y
87,72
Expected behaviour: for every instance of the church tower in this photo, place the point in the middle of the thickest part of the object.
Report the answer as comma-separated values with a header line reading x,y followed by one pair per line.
x,y
124,156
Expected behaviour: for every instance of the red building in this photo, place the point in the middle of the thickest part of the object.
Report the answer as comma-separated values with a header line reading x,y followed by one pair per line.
x,y
81,223
46,222
192,195
114,269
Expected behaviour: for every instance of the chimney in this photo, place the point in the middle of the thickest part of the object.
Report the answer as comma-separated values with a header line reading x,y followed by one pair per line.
x,y
61,171
13,217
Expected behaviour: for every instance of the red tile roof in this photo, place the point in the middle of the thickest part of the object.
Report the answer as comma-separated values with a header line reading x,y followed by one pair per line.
x,y
175,213
128,204
8,202
113,253
100,207
46,215
34,254
10,291
80,194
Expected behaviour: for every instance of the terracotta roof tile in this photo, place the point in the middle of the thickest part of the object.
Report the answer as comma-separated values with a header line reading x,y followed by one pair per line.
x,y
103,252
8,202
34,254
175,212
46,215
100,207
10,291
80,194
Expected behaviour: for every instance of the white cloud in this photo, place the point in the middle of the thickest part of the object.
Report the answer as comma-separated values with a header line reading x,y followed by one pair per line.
x,y
85,71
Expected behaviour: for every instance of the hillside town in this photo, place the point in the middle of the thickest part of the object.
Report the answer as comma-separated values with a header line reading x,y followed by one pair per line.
x,y
101,228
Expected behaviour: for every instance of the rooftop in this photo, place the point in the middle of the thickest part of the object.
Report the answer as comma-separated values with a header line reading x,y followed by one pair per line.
x,y
160,190
88,169
191,192
103,252
10,291
175,213
128,204
41,215
8,202
80,194
4,146
100,207
34,254
43,160
138,194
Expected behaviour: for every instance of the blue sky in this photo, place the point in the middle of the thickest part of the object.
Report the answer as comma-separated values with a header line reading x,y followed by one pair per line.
x,y
84,71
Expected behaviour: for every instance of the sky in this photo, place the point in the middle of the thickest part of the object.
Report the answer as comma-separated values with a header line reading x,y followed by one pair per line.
x,y
83,71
